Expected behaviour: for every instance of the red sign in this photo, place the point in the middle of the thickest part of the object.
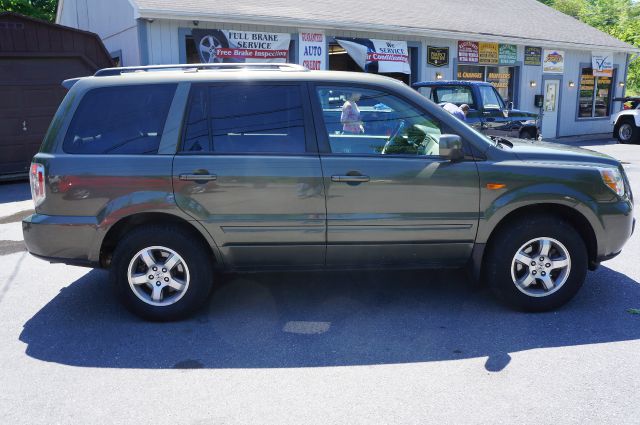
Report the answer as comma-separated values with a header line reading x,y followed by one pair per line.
x,y
251,53
468,51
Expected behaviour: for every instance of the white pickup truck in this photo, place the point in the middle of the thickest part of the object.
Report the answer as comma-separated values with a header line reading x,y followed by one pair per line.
x,y
626,123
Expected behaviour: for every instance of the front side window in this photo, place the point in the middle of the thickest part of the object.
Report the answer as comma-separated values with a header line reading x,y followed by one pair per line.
x,y
594,95
120,120
365,121
245,118
490,99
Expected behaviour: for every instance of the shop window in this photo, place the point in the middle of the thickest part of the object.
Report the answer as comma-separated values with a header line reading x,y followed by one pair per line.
x,y
501,77
594,96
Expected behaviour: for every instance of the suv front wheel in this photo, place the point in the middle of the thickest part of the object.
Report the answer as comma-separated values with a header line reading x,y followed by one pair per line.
x,y
161,273
537,264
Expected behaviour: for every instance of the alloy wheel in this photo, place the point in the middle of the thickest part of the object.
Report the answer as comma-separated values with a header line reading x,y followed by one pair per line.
x,y
540,267
158,275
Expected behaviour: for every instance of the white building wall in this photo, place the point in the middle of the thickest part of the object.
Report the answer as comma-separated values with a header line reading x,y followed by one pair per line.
x,y
164,44
112,20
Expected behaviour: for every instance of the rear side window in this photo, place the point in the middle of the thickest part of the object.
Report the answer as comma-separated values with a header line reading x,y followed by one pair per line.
x,y
120,120
245,118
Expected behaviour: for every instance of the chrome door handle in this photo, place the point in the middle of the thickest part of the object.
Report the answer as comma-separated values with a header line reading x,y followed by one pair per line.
x,y
350,179
198,177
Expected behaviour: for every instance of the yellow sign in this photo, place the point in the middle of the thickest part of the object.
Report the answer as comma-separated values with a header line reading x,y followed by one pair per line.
x,y
489,53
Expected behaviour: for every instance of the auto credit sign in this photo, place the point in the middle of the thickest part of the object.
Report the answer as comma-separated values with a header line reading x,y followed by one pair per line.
x,y
311,51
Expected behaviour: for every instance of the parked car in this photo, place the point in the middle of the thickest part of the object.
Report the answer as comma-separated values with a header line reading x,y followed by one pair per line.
x,y
626,123
200,168
488,112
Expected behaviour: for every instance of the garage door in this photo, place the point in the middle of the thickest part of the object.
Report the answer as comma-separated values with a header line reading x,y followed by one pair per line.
x,y
30,93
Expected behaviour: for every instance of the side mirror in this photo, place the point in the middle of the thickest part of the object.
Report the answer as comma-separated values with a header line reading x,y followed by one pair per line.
x,y
451,147
510,106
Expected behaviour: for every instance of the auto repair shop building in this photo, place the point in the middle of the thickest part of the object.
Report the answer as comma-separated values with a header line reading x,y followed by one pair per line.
x,y
538,58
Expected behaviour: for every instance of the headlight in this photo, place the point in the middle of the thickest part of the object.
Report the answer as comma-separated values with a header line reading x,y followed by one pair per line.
x,y
613,179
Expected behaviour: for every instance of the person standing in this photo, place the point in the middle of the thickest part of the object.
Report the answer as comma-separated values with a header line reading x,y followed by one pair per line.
x,y
459,112
350,117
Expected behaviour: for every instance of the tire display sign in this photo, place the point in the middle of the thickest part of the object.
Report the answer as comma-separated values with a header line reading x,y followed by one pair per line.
x,y
380,56
241,46
437,56
602,64
508,54
468,51
488,53
311,50
553,62
532,56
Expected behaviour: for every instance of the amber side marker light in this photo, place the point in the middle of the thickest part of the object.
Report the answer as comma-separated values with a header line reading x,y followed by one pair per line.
x,y
496,186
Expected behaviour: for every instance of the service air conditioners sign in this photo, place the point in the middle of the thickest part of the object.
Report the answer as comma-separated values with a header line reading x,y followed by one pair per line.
x,y
311,52
602,64
378,55
553,62
241,46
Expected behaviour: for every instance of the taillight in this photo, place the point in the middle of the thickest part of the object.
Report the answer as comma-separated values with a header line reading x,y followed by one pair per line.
x,y
36,177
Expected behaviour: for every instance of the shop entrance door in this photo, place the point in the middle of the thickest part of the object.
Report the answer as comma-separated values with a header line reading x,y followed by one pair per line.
x,y
550,109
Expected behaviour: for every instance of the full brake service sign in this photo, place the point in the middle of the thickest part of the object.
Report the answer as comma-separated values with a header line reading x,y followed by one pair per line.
x,y
215,46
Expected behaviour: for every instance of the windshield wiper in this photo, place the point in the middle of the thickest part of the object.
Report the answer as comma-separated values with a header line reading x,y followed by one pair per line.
x,y
501,141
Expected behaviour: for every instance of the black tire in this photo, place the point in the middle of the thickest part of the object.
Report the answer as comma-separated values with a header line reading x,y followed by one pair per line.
x,y
635,131
186,243
528,133
504,246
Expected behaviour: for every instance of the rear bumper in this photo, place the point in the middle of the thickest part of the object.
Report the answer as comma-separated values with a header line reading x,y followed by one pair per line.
x,y
61,239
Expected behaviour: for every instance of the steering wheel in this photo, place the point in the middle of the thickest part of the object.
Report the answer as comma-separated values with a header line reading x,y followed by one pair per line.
x,y
396,131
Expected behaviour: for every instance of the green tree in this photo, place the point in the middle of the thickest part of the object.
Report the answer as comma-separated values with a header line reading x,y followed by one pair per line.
x,y
619,18
41,9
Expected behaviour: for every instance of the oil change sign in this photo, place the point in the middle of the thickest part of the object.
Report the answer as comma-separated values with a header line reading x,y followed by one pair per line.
x,y
378,55
241,46
311,51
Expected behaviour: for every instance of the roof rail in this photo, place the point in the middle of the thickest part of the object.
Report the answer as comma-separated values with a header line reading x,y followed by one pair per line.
x,y
200,66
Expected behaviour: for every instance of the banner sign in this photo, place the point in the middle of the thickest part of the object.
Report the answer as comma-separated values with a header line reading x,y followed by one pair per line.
x,y
488,53
508,54
381,56
553,62
602,64
437,56
532,56
241,46
311,52
468,51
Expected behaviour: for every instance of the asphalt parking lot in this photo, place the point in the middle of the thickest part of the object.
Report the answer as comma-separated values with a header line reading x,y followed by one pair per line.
x,y
316,348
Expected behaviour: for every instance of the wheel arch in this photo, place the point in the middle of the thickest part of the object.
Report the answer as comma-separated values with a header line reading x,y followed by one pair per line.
x,y
574,217
125,224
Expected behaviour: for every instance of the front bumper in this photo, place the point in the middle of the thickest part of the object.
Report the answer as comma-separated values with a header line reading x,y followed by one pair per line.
x,y
619,224
61,239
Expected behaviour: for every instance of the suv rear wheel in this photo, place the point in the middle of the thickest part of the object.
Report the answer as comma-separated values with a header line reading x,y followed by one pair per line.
x,y
536,264
160,273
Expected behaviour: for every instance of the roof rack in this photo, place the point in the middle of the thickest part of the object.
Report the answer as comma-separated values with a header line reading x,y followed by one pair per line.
x,y
201,66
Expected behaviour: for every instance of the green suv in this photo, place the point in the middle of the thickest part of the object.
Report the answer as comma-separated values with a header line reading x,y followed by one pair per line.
x,y
167,174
